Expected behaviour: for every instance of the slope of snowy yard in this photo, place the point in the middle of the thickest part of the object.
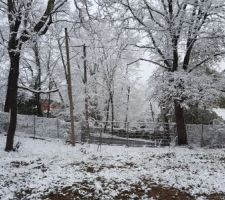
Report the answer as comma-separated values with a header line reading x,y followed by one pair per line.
x,y
43,169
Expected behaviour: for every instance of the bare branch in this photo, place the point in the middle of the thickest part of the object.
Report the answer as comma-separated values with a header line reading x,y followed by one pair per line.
x,y
206,60
38,91
151,61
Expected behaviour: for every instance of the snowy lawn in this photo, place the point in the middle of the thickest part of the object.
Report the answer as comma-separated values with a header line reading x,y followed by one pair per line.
x,y
52,170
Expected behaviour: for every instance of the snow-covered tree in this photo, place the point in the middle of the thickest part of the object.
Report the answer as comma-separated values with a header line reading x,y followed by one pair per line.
x,y
181,36
27,20
108,54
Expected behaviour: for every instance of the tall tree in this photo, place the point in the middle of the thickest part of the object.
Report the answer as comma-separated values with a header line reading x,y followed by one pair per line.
x,y
67,71
22,28
37,85
181,36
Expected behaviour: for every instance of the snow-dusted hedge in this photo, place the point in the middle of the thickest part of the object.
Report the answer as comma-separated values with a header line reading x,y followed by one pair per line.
x,y
40,126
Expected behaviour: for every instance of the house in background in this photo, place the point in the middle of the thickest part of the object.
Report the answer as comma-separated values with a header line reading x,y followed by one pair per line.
x,y
50,106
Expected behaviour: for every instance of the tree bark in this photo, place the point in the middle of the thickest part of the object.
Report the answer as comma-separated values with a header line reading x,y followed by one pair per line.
x,y
87,128
38,81
7,100
152,112
107,114
49,105
127,108
112,113
12,95
14,68
38,104
181,129
70,92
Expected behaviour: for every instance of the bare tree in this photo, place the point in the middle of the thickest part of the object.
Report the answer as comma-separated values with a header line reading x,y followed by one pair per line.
x,y
37,85
67,71
22,29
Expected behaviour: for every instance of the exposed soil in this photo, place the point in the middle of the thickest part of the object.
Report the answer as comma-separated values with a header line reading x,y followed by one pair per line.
x,y
157,192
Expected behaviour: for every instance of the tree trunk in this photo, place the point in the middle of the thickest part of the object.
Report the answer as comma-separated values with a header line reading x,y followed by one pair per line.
x,y
49,87
107,114
49,105
127,108
181,129
38,81
14,64
7,100
152,112
87,128
11,101
112,113
38,105
37,97
70,91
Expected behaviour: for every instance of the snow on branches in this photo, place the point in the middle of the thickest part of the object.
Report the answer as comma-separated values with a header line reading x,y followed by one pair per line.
x,y
195,88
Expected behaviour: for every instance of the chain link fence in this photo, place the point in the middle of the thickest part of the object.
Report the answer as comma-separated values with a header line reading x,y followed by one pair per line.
x,y
206,135
36,127
130,134
154,134
118,133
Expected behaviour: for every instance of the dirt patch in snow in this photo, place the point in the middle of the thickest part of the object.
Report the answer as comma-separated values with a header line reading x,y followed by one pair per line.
x,y
152,191
83,191
216,197
155,192
52,170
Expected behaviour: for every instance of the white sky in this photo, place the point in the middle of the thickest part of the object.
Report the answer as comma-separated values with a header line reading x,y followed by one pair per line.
x,y
146,70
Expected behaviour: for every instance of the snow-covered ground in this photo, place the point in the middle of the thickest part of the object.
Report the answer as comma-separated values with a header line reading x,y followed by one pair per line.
x,y
220,112
43,167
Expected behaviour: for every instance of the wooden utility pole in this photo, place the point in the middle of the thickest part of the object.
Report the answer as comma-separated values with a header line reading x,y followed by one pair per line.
x,y
86,93
69,87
